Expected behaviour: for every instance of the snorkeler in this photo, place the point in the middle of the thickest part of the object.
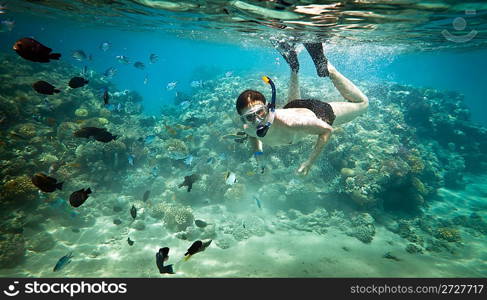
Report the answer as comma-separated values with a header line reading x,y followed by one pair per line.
x,y
299,117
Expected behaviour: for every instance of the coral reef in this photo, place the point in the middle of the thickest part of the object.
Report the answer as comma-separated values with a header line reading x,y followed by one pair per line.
x,y
362,227
176,217
18,191
448,234
12,250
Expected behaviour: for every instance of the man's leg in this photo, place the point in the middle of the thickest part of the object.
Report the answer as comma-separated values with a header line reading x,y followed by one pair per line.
x,y
293,91
315,50
288,51
357,101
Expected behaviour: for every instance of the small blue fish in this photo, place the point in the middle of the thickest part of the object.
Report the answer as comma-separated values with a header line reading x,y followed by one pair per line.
x,y
188,160
58,203
110,72
63,261
105,46
258,202
131,159
185,104
196,83
210,160
149,139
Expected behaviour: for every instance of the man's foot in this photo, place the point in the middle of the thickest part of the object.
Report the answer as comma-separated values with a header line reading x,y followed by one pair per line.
x,y
288,51
315,50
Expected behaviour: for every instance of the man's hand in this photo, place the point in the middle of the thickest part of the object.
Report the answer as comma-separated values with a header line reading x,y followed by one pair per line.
x,y
304,168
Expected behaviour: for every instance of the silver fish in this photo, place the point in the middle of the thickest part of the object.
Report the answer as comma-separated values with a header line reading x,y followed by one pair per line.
x,y
230,178
79,55
105,46
171,85
122,59
110,72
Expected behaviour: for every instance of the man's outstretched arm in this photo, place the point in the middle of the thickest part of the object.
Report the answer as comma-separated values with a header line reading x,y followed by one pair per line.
x,y
323,130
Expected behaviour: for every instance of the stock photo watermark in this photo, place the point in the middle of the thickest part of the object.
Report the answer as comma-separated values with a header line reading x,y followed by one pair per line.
x,y
459,24
67,288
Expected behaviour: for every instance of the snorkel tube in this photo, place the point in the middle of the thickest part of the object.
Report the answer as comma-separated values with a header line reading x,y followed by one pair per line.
x,y
262,128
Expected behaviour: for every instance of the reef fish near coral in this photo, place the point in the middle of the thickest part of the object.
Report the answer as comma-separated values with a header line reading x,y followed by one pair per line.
x,y
32,50
77,82
79,197
99,134
162,256
149,139
258,202
188,160
200,223
131,159
63,261
106,96
196,247
133,212
45,183
129,241
230,178
189,180
146,195
43,87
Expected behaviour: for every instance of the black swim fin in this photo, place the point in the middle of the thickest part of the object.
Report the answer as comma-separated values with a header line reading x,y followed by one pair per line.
x,y
315,50
167,270
288,51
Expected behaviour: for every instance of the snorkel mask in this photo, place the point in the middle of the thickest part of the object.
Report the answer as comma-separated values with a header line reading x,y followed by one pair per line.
x,y
264,125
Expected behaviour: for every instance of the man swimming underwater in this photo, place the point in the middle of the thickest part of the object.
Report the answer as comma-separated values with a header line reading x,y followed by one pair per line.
x,y
299,117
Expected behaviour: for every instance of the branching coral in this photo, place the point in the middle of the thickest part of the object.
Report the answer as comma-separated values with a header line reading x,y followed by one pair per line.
x,y
176,217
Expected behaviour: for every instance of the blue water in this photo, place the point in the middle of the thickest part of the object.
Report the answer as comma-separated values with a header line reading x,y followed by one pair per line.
x,y
183,59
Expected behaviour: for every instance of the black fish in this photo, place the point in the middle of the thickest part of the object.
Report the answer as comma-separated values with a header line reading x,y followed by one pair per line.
x,y
189,180
106,96
146,196
77,82
45,183
79,197
99,134
139,65
43,87
200,223
130,241
133,212
162,256
196,247
32,50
